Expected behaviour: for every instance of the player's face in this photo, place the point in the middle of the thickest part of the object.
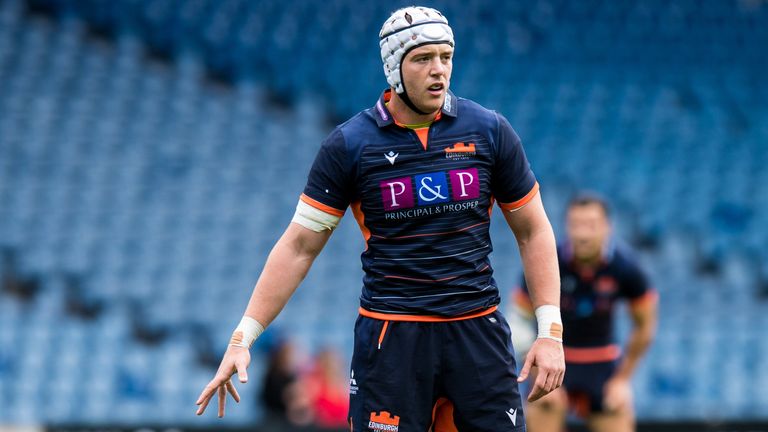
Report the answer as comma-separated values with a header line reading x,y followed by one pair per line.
x,y
427,75
588,230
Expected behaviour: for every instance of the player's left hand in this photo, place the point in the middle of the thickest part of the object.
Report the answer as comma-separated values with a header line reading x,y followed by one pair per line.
x,y
547,355
618,394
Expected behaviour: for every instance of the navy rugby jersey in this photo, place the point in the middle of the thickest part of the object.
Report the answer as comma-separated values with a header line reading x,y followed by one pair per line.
x,y
588,300
424,210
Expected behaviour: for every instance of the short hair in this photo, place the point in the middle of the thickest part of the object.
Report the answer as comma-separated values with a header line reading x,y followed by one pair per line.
x,y
590,198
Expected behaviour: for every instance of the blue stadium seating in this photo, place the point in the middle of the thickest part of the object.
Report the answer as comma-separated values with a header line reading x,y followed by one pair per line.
x,y
165,189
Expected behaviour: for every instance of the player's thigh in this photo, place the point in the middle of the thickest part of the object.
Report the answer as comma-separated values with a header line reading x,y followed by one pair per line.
x,y
390,388
548,413
585,383
480,375
616,421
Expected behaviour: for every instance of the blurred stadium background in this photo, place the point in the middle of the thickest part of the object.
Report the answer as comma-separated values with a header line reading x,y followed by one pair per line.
x,y
152,151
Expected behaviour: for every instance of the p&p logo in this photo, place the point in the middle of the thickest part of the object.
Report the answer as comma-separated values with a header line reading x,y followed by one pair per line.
x,y
432,188
429,189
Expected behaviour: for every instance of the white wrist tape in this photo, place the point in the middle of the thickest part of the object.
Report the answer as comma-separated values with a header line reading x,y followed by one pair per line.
x,y
550,323
246,332
314,219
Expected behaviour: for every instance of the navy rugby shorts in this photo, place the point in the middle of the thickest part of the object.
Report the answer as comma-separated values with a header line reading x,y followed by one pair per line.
x,y
446,375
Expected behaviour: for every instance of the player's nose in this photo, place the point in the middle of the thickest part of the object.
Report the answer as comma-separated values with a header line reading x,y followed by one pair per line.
x,y
438,68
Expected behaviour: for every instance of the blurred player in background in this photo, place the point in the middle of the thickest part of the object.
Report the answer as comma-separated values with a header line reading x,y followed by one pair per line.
x,y
421,171
595,274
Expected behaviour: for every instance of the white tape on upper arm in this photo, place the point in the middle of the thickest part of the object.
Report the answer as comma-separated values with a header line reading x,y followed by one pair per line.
x,y
314,219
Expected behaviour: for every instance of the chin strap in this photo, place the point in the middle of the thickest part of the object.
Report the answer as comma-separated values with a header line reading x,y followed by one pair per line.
x,y
406,99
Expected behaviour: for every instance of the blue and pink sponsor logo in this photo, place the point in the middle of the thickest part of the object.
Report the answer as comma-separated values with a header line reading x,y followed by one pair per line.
x,y
429,189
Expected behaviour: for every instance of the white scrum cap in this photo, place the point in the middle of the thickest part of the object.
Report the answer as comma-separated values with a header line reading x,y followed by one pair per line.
x,y
406,29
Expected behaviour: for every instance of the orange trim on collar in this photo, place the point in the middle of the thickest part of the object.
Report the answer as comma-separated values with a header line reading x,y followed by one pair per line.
x,y
423,134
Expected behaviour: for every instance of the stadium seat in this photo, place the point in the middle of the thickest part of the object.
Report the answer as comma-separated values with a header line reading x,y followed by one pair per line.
x,y
156,151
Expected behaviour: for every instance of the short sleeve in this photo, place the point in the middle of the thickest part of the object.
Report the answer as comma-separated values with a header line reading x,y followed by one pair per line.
x,y
634,284
329,185
513,183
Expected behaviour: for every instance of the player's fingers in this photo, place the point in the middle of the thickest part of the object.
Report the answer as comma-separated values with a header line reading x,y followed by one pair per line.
x,y
242,373
526,368
539,385
233,391
207,392
213,385
549,384
222,400
546,383
204,402
535,394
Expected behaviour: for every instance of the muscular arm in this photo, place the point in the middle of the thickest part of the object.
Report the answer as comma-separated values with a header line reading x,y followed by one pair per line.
x,y
538,252
286,267
618,394
644,319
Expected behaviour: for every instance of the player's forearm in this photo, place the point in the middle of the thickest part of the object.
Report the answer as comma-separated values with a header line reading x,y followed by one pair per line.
x,y
639,341
286,267
538,251
539,255
644,320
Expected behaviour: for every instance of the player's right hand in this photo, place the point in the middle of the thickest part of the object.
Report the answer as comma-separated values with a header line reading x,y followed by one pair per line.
x,y
236,359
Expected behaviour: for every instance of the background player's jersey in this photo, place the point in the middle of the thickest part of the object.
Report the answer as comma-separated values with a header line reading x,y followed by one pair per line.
x,y
588,297
424,212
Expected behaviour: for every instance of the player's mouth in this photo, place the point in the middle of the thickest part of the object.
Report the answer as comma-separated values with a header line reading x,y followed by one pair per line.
x,y
436,89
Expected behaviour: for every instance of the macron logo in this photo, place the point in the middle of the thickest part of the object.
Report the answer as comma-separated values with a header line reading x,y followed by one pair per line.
x,y
512,414
391,156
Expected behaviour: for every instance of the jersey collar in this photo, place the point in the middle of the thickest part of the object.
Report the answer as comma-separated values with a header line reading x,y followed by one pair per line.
x,y
384,117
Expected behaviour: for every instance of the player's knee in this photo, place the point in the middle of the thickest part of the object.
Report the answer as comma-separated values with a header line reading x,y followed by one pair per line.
x,y
551,403
624,412
546,406
617,421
